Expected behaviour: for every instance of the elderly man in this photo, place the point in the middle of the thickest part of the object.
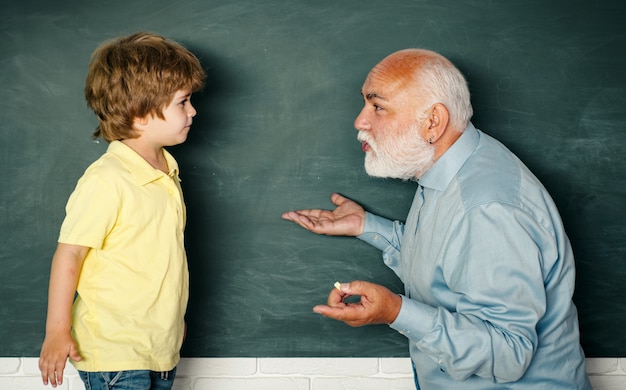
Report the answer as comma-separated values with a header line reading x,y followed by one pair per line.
x,y
487,267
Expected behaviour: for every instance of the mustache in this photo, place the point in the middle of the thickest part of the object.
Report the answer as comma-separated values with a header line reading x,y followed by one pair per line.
x,y
365,137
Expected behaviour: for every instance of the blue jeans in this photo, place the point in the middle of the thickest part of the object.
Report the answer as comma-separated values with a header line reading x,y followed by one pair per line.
x,y
128,380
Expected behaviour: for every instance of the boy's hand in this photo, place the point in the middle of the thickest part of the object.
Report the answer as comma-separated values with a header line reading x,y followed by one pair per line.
x,y
58,344
54,353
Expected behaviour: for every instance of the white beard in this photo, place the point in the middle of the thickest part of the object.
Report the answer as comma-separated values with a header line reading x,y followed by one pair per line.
x,y
407,157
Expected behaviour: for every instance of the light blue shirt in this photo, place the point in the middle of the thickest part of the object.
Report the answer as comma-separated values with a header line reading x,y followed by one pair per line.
x,y
488,273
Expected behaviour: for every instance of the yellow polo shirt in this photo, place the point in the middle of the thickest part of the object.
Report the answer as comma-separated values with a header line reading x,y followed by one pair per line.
x,y
133,286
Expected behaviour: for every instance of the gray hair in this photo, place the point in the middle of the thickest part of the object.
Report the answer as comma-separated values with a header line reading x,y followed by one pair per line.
x,y
441,82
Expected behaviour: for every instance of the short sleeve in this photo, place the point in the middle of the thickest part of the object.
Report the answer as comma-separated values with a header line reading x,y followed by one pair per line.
x,y
91,211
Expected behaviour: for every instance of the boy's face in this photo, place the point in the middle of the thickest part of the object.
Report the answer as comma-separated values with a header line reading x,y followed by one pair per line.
x,y
173,129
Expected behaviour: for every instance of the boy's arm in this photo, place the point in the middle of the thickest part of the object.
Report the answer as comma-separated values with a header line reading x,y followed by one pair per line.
x,y
58,343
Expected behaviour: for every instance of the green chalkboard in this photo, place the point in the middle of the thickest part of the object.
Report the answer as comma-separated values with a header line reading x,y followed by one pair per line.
x,y
274,133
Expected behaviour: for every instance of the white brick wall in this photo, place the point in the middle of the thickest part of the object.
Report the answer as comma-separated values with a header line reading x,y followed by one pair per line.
x,y
288,374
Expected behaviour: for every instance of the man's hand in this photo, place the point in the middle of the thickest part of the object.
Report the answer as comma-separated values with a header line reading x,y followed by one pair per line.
x,y
378,305
347,219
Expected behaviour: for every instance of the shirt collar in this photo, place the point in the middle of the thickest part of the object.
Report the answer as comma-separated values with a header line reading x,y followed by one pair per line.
x,y
439,176
141,170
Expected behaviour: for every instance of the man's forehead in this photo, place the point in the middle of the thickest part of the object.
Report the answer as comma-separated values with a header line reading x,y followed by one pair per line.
x,y
384,85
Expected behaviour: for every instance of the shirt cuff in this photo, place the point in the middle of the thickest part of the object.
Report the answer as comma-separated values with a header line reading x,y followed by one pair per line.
x,y
378,231
415,319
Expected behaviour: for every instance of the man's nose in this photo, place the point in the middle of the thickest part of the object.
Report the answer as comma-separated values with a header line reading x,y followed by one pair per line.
x,y
362,122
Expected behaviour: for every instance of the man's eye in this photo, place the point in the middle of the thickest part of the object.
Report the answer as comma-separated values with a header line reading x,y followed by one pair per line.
x,y
377,107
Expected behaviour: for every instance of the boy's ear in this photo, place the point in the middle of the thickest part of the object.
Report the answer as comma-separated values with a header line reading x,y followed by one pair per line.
x,y
140,121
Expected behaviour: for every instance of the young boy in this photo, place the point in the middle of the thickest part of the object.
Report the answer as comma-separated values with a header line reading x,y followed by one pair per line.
x,y
121,251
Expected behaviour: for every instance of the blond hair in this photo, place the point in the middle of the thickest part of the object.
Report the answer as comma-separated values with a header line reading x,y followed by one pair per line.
x,y
136,76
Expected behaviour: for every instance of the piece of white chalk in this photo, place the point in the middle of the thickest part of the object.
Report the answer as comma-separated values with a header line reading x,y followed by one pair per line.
x,y
338,286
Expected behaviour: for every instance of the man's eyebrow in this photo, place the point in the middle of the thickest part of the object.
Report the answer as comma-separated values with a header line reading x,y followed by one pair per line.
x,y
373,95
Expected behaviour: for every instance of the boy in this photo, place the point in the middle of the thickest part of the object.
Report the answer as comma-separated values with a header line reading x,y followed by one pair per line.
x,y
121,248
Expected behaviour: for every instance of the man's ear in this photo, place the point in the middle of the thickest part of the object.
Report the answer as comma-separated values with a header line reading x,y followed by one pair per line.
x,y
438,119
